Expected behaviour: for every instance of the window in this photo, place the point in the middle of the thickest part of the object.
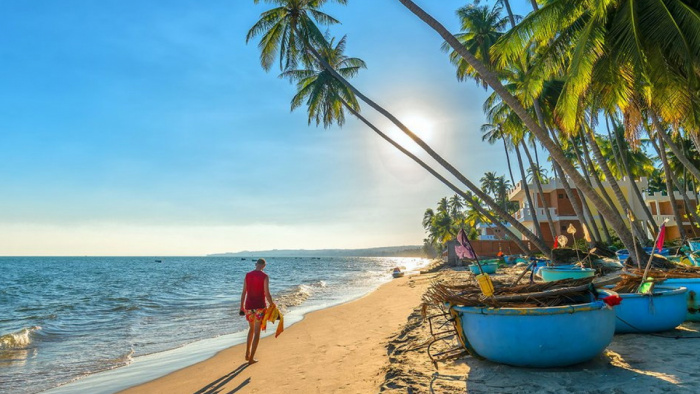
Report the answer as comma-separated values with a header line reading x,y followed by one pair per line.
x,y
561,196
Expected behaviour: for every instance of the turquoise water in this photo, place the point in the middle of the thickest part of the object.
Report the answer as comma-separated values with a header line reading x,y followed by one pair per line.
x,y
64,319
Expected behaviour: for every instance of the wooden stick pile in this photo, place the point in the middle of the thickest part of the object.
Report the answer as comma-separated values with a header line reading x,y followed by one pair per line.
x,y
557,293
630,282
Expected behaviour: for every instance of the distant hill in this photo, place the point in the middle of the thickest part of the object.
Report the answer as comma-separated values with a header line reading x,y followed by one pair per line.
x,y
390,251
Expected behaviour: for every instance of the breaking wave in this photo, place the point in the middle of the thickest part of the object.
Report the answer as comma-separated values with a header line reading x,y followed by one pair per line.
x,y
298,294
18,340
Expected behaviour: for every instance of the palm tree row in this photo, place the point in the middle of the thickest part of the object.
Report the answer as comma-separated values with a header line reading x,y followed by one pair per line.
x,y
554,74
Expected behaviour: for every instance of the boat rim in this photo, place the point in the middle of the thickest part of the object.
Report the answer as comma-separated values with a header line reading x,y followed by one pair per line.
x,y
533,311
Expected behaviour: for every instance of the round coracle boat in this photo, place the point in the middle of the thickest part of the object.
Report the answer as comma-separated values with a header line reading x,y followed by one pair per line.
x,y
661,310
540,337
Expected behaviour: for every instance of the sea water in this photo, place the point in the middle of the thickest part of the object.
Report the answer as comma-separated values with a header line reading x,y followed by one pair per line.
x,y
101,324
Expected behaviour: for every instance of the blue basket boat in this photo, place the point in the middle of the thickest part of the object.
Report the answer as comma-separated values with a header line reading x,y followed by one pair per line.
x,y
513,259
693,286
694,258
538,337
622,254
694,244
550,274
489,268
664,251
663,310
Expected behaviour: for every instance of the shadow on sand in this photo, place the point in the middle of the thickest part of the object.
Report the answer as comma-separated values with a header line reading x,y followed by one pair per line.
x,y
216,386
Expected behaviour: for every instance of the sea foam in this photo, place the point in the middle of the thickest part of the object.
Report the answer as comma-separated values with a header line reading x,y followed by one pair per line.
x,y
18,340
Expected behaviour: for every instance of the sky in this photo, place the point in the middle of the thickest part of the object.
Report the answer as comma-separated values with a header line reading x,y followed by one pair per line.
x,y
150,128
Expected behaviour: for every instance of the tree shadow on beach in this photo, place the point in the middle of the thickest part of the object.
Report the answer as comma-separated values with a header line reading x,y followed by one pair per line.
x,y
216,386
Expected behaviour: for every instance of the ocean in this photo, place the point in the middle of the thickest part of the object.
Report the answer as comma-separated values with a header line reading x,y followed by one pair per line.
x,y
102,324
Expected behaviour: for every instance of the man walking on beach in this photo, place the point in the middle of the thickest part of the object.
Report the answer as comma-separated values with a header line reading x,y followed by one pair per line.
x,y
256,289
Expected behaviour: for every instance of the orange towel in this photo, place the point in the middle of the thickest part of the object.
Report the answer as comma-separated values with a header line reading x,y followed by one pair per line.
x,y
272,314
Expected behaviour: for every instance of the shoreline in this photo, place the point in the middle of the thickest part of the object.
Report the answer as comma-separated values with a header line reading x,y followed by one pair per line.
x,y
330,349
145,368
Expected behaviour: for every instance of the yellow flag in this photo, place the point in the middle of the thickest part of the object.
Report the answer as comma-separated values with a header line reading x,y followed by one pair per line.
x,y
585,233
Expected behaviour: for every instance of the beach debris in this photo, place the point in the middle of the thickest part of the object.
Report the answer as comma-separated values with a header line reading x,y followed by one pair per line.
x,y
555,293
629,282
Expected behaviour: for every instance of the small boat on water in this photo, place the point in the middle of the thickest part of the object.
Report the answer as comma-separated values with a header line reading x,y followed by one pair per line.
x,y
159,261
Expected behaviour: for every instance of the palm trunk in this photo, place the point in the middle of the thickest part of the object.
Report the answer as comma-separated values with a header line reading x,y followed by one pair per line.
x,y
641,234
565,182
538,184
669,188
535,7
575,202
510,170
538,242
526,189
661,151
674,148
625,163
556,154
690,213
511,18
613,143
507,231
586,158
585,164
451,169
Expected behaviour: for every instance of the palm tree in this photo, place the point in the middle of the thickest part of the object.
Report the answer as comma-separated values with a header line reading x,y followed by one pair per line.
x,y
634,163
482,27
307,33
669,187
324,94
488,183
428,218
537,172
493,132
288,29
456,206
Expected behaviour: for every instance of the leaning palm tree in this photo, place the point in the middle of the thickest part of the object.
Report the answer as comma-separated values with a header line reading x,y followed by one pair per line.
x,y
298,18
523,37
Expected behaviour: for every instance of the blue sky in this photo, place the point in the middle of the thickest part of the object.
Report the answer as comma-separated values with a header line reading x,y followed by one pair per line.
x,y
149,128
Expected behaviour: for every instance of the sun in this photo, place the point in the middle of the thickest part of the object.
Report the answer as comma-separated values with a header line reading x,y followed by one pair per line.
x,y
421,125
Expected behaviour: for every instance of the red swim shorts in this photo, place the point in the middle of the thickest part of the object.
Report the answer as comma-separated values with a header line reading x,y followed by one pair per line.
x,y
253,315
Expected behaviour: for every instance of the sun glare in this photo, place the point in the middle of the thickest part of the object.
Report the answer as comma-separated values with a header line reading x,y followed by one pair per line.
x,y
420,125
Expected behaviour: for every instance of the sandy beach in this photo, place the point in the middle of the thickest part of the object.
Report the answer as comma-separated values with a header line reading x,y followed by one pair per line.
x,y
378,344
340,349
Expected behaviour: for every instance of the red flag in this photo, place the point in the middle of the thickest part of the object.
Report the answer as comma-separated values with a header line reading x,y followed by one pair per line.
x,y
556,243
464,248
662,235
